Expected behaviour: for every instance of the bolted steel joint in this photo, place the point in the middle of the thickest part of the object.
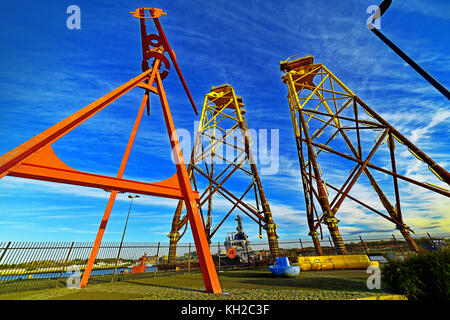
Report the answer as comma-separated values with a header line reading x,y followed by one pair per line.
x,y
270,226
402,227
173,236
313,234
331,222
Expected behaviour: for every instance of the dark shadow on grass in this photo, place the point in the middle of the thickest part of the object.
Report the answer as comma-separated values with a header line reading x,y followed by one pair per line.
x,y
162,286
261,273
244,274
323,283
311,280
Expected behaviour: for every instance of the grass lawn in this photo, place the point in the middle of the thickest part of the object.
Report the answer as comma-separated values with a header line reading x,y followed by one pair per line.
x,y
251,284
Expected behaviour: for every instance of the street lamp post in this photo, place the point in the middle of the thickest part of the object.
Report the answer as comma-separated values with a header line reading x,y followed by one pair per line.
x,y
123,236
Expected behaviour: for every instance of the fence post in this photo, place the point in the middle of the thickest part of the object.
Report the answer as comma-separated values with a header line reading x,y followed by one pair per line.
x,y
117,261
65,261
364,246
398,246
301,244
331,245
157,258
189,259
248,257
218,254
4,251
431,239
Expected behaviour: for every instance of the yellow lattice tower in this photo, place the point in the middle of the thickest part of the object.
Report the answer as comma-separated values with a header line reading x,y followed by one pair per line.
x,y
328,122
223,124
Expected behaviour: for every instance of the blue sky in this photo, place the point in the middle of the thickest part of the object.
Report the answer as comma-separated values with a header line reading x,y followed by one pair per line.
x,y
49,72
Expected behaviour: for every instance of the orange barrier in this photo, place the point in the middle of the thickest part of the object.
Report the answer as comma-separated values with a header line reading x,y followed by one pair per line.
x,y
140,266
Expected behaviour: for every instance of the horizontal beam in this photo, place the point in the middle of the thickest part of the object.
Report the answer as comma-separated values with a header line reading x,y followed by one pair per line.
x,y
441,172
167,188
421,184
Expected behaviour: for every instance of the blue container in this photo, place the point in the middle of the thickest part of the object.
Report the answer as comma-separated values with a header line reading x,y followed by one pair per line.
x,y
283,268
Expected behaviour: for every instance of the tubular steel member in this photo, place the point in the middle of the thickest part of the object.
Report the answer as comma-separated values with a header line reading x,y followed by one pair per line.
x,y
35,158
320,103
223,124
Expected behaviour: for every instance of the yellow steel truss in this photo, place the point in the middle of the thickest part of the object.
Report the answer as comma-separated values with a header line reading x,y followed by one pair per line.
x,y
321,103
223,125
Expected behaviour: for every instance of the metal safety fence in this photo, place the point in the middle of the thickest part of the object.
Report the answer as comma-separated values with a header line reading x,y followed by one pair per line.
x,y
42,265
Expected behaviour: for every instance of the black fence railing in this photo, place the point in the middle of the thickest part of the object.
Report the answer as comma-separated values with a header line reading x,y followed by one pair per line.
x,y
40,265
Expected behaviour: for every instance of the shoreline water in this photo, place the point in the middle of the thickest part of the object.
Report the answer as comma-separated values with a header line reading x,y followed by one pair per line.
x,y
65,274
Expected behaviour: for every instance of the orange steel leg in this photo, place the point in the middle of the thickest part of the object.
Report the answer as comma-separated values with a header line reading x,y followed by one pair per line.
x,y
113,195
210,277
35,159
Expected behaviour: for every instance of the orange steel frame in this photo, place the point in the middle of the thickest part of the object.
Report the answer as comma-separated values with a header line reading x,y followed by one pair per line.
x,y
35,159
